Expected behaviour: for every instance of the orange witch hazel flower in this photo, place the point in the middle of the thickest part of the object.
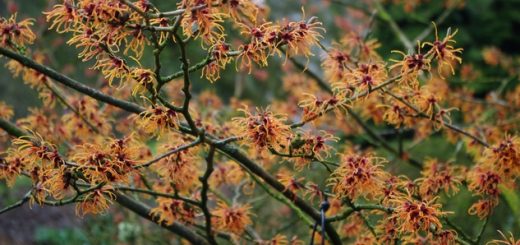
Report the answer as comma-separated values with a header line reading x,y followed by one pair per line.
x,y
218,60
368,75
483,181
6,111
157,120
276,240
113,161
365,76
237,9
301,36
289,181
179,168
505,157
171,210
359,175
57,181
483,207
264,128
233,219
74,125
444,52
439,176
411,66
64,16
202,22
309,146
16,33
145,80
112,67
415,215
97,201
314,106
507,240
11,165
336,64
37,152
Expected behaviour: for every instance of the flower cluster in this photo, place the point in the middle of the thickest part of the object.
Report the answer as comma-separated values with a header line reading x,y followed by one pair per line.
x,y
358,176
16,34
113,161
414,215
439,176
157,120
169,210
179,169
498,166
53,177
264,129
307,147
234,219
268,38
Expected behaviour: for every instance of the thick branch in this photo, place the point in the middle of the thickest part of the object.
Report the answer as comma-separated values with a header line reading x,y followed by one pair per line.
x,y
144,211
204,195
11,129
69,82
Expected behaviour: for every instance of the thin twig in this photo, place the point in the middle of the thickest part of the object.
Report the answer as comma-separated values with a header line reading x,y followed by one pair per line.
x,y
63,100
169,153
186,88
482,229
448,125
17,204
158,194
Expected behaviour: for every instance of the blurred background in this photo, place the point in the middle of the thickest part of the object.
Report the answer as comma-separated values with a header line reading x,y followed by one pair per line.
x,y
486,29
